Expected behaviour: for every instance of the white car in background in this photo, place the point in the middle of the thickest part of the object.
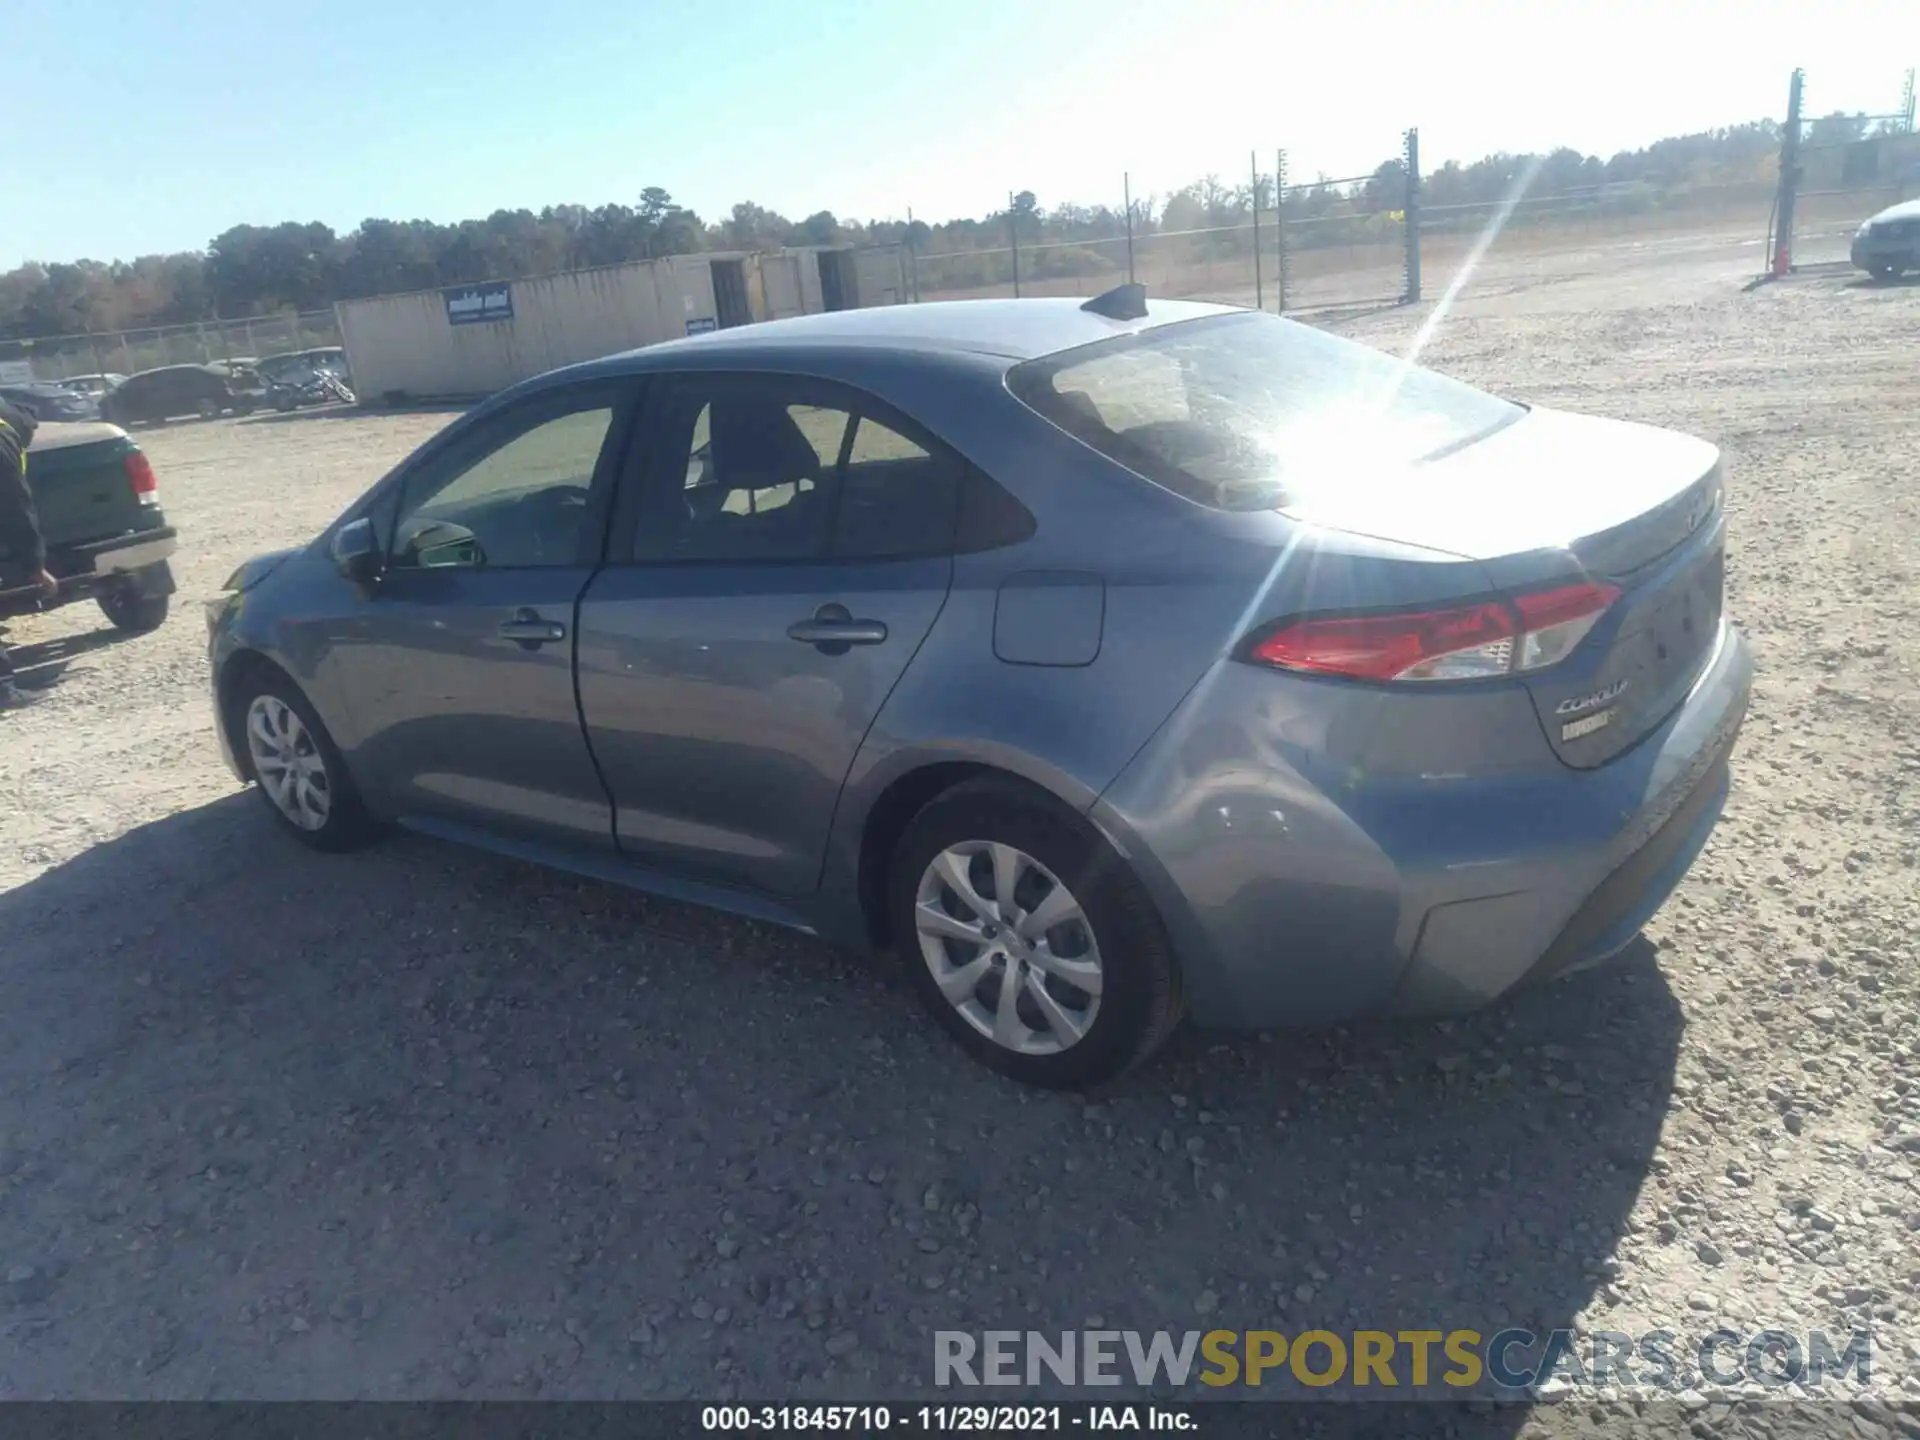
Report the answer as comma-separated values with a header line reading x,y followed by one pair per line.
x,y
91,386
1888,244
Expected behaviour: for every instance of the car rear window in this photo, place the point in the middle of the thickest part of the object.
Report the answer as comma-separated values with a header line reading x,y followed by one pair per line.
x,y
1252,412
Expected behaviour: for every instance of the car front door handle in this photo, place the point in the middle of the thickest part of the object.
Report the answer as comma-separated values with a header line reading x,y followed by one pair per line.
x,y
834,629
530,630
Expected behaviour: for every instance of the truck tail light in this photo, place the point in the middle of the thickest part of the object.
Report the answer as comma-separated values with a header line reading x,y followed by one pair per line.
x,y
146,486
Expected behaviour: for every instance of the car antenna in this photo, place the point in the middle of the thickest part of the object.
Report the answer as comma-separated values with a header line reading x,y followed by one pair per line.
x,y
1123,302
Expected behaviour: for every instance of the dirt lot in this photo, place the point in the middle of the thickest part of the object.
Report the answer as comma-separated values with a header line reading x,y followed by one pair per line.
x,y
425,1123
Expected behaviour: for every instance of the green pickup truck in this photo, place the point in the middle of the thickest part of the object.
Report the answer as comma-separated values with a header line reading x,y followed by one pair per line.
x,y
107,539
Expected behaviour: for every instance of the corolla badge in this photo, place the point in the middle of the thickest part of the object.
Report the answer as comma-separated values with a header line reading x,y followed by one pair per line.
x,y
1579,704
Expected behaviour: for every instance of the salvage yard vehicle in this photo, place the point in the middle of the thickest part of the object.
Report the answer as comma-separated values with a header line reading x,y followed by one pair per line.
x,y
241,376
320,386
107,538
307,377
1110,661
51,402
161,394
91,386
1888,244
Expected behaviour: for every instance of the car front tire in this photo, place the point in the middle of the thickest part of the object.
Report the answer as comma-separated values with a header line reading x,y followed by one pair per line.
x,y
298,770
1029,940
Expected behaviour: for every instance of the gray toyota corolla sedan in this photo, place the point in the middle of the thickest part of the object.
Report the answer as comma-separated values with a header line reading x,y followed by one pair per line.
x,y
1109,662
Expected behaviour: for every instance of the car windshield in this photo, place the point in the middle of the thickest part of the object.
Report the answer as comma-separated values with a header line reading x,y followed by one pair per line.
x,y
1249,411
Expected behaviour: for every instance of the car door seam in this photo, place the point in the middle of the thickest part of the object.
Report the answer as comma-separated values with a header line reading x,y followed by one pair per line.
x,y
840,789
580,709
622,439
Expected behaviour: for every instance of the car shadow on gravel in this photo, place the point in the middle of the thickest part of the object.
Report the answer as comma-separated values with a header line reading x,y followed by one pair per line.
x,y
418,1122
42,664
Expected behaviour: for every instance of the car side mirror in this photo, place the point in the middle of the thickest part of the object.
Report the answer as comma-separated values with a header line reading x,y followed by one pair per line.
x,y
356,555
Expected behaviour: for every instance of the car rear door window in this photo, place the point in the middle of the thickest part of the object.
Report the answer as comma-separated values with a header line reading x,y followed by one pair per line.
x,y
772,470
760,475
897,498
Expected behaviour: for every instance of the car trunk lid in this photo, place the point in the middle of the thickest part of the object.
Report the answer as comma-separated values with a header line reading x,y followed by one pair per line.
x,y
1554,498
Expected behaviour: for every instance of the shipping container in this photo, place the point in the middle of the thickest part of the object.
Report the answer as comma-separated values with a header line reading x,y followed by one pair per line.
x,y
466,341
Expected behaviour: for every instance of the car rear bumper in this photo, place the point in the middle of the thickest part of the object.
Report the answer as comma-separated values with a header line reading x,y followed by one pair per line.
x,y
1470,951
1431,894
129,552
1874,252
138,557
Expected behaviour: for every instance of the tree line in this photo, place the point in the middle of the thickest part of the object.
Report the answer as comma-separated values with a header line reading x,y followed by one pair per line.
x,y
254,270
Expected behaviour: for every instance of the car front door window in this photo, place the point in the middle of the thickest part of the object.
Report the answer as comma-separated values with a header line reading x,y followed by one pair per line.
x,y
514,497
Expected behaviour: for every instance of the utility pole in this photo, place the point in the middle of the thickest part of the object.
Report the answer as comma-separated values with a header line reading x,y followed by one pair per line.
x,y
1280,232
1410,217
1259,295
1789,180
1013,234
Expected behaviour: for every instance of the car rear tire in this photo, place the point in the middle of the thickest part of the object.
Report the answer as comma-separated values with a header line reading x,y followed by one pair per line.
x,y
1884,273
299,772
133,612
1096,989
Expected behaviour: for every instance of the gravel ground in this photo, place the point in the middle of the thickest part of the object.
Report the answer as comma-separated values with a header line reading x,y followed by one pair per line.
x,y
419,1122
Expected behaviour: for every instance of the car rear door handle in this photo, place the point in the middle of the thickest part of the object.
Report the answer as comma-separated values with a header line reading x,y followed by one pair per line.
x,y
833,629
530,630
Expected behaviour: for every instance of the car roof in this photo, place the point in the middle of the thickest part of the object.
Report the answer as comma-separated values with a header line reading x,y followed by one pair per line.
x,y
174,370
1905,210
1010,329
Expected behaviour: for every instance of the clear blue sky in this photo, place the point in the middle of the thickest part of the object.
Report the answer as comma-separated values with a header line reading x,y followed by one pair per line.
x,y
152,125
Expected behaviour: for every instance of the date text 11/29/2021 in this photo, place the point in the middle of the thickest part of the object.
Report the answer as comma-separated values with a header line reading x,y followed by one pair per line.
x,y
946,1419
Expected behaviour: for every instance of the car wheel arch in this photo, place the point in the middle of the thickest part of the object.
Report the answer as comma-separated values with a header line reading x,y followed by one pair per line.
x,y
902,798
239,668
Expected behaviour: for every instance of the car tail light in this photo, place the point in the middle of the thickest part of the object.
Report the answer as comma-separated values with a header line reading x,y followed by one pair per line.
x,y
1467,642
1552,622
146,486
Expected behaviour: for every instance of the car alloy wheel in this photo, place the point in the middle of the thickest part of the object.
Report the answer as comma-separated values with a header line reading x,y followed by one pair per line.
x,y
1009,947
1028,938
288,763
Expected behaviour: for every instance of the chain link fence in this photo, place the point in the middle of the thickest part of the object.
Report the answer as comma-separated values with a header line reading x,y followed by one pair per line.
x,y
1274,243
1211,263
126,352
1379,239
1328,242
